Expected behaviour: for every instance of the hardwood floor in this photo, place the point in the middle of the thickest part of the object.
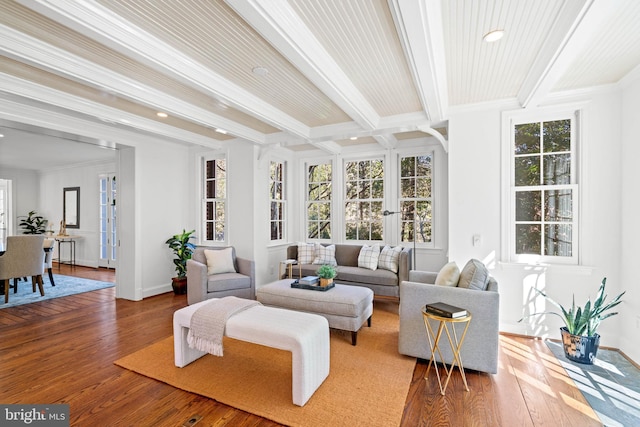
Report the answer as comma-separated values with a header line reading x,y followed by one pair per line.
x,y
62,351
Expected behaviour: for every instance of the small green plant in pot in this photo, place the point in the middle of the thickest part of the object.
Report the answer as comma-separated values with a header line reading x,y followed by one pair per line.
x,y
33,223
579,337
326,273
182,249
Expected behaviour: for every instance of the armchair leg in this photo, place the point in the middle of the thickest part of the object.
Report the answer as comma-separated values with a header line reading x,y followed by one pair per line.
x,y
33,283
51,277
6,290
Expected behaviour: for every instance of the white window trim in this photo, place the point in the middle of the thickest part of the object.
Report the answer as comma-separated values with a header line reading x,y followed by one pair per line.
x,y
202,211
343,198
305,192
434,203
510,119
284,201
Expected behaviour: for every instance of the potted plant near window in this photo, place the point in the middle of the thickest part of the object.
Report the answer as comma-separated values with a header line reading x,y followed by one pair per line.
x,y
579,337
326,273
33,223
183,249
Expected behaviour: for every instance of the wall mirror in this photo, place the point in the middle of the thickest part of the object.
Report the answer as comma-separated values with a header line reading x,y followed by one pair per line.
x,y
71,207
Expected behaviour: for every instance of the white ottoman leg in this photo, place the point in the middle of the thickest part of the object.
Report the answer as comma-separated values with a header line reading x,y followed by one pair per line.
x,y
310,362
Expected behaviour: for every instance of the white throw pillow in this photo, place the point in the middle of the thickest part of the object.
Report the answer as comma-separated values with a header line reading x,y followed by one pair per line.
x,y
306,253
325,255
389,257
219,261
368,257
448,275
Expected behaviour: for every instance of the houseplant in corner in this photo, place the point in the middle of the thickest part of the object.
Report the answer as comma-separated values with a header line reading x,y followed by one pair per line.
x,y
182,249
579,337
33,223
326,273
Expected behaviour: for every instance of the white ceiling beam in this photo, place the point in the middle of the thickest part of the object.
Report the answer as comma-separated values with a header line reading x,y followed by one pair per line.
x,y
574,28
99,23
280,25
49,96
419,25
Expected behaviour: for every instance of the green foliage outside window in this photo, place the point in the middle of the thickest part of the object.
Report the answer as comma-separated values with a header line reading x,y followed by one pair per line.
x,y
543,194
416,198
319,192
364,190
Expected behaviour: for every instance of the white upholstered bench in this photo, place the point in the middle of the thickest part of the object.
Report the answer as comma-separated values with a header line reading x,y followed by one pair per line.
x,y
305,335
346,307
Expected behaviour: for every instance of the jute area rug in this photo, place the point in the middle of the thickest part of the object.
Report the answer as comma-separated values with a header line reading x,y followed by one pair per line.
x,y
367,383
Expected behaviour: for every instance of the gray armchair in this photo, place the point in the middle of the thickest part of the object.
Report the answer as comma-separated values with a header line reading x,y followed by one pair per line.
x,y
202,286
480,348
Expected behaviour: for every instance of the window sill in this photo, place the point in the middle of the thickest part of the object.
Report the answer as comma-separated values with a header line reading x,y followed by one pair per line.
x,y
582,270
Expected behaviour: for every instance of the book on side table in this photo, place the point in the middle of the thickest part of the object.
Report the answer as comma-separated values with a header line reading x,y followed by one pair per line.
x,y
445,310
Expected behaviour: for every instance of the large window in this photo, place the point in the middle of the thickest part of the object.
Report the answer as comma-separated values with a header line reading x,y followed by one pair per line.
x,y
319,192
544,191
416,198
364,192
277,199
214,199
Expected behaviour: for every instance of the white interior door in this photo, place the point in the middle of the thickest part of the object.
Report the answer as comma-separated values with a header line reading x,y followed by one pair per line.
x,y
108,238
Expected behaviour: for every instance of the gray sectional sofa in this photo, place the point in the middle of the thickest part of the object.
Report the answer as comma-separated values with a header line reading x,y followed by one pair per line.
x,y
380,281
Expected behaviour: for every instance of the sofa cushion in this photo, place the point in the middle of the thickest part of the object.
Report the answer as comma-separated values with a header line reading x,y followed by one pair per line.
x,y
368,257
228,282
389,257
362,275
474,275
325,255
448,275
306,253
219,261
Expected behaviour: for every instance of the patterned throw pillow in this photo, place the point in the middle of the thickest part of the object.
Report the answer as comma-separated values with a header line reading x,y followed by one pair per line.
x,y
325,255
306,253
389,258
368,257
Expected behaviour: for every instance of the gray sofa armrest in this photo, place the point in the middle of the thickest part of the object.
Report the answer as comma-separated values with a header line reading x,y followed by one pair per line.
x,y
248,268
196,281
422,276
404,264
480,348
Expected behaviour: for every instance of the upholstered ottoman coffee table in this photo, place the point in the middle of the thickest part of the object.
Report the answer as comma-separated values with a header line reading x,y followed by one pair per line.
x,y
305,335
345,307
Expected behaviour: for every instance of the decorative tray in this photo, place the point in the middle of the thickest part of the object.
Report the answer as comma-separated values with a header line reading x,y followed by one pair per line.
x,y
317,287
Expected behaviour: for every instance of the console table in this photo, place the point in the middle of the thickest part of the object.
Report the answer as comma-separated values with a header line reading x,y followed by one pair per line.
x,y
71,241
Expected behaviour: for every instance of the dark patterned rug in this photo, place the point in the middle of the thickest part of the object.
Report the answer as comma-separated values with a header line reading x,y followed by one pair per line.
x,y
65,286
611,385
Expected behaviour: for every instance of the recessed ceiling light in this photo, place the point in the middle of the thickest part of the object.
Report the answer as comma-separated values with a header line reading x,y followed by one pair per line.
x,y
260,71
493,36
1,135
161,114
222,131
353,138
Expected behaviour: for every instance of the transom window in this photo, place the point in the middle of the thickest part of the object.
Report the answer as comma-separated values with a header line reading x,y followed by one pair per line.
x,y
319,192
416,198
364,192
214,199
544,190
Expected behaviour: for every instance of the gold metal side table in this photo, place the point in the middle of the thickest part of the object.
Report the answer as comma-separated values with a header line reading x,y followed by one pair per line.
x,y
434,344
288,265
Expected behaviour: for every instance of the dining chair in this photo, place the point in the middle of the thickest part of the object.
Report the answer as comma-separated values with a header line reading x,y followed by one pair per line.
x,y
48,258
24,257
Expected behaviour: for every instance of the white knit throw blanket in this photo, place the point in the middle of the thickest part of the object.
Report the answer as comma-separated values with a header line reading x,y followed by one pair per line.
x,y
208,323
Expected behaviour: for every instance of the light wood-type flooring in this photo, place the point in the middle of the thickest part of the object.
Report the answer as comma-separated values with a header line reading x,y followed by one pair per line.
x,y
62,351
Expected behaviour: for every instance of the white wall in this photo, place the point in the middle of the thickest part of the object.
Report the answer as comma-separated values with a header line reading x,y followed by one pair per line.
x,y
475,208
52,183
25,194
630,311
